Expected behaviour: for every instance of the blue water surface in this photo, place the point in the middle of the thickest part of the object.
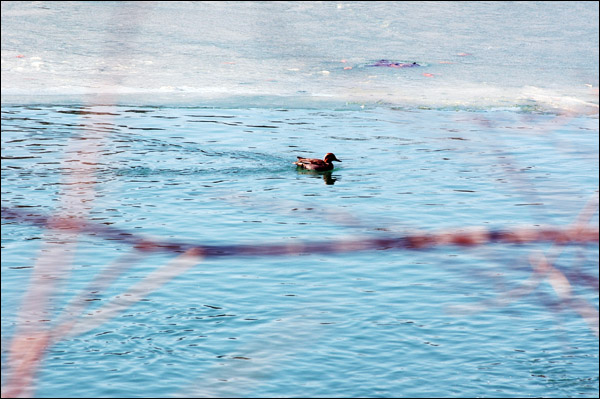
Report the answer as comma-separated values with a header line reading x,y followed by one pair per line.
x,y
446,321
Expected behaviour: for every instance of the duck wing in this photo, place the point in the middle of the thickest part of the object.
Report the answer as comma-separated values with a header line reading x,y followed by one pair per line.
x,y
310,163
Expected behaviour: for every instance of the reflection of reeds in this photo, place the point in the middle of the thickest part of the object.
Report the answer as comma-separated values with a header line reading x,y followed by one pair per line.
x,y
32,337
462,237
542,264
543,270
28,346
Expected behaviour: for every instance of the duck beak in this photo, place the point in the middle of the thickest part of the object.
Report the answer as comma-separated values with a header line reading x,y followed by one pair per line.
x,y
335,159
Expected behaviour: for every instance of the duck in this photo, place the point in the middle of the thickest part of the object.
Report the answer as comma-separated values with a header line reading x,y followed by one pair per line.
x,y
317,164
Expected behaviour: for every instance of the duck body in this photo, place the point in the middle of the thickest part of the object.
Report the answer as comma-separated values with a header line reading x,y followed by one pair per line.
x,y
317,165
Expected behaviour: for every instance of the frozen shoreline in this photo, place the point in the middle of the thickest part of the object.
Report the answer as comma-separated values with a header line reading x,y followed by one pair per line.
x,y
535,56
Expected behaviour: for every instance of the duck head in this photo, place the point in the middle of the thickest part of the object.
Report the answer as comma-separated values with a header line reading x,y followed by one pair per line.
x,y
329,157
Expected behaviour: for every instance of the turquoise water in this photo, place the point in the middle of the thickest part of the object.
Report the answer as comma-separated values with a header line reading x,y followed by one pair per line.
x,y
133,131
374,323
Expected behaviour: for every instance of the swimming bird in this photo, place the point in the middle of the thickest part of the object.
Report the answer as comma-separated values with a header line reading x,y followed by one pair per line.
x,y
317,164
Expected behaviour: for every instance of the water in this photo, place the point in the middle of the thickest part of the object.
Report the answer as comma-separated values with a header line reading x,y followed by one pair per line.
x,y
178,123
